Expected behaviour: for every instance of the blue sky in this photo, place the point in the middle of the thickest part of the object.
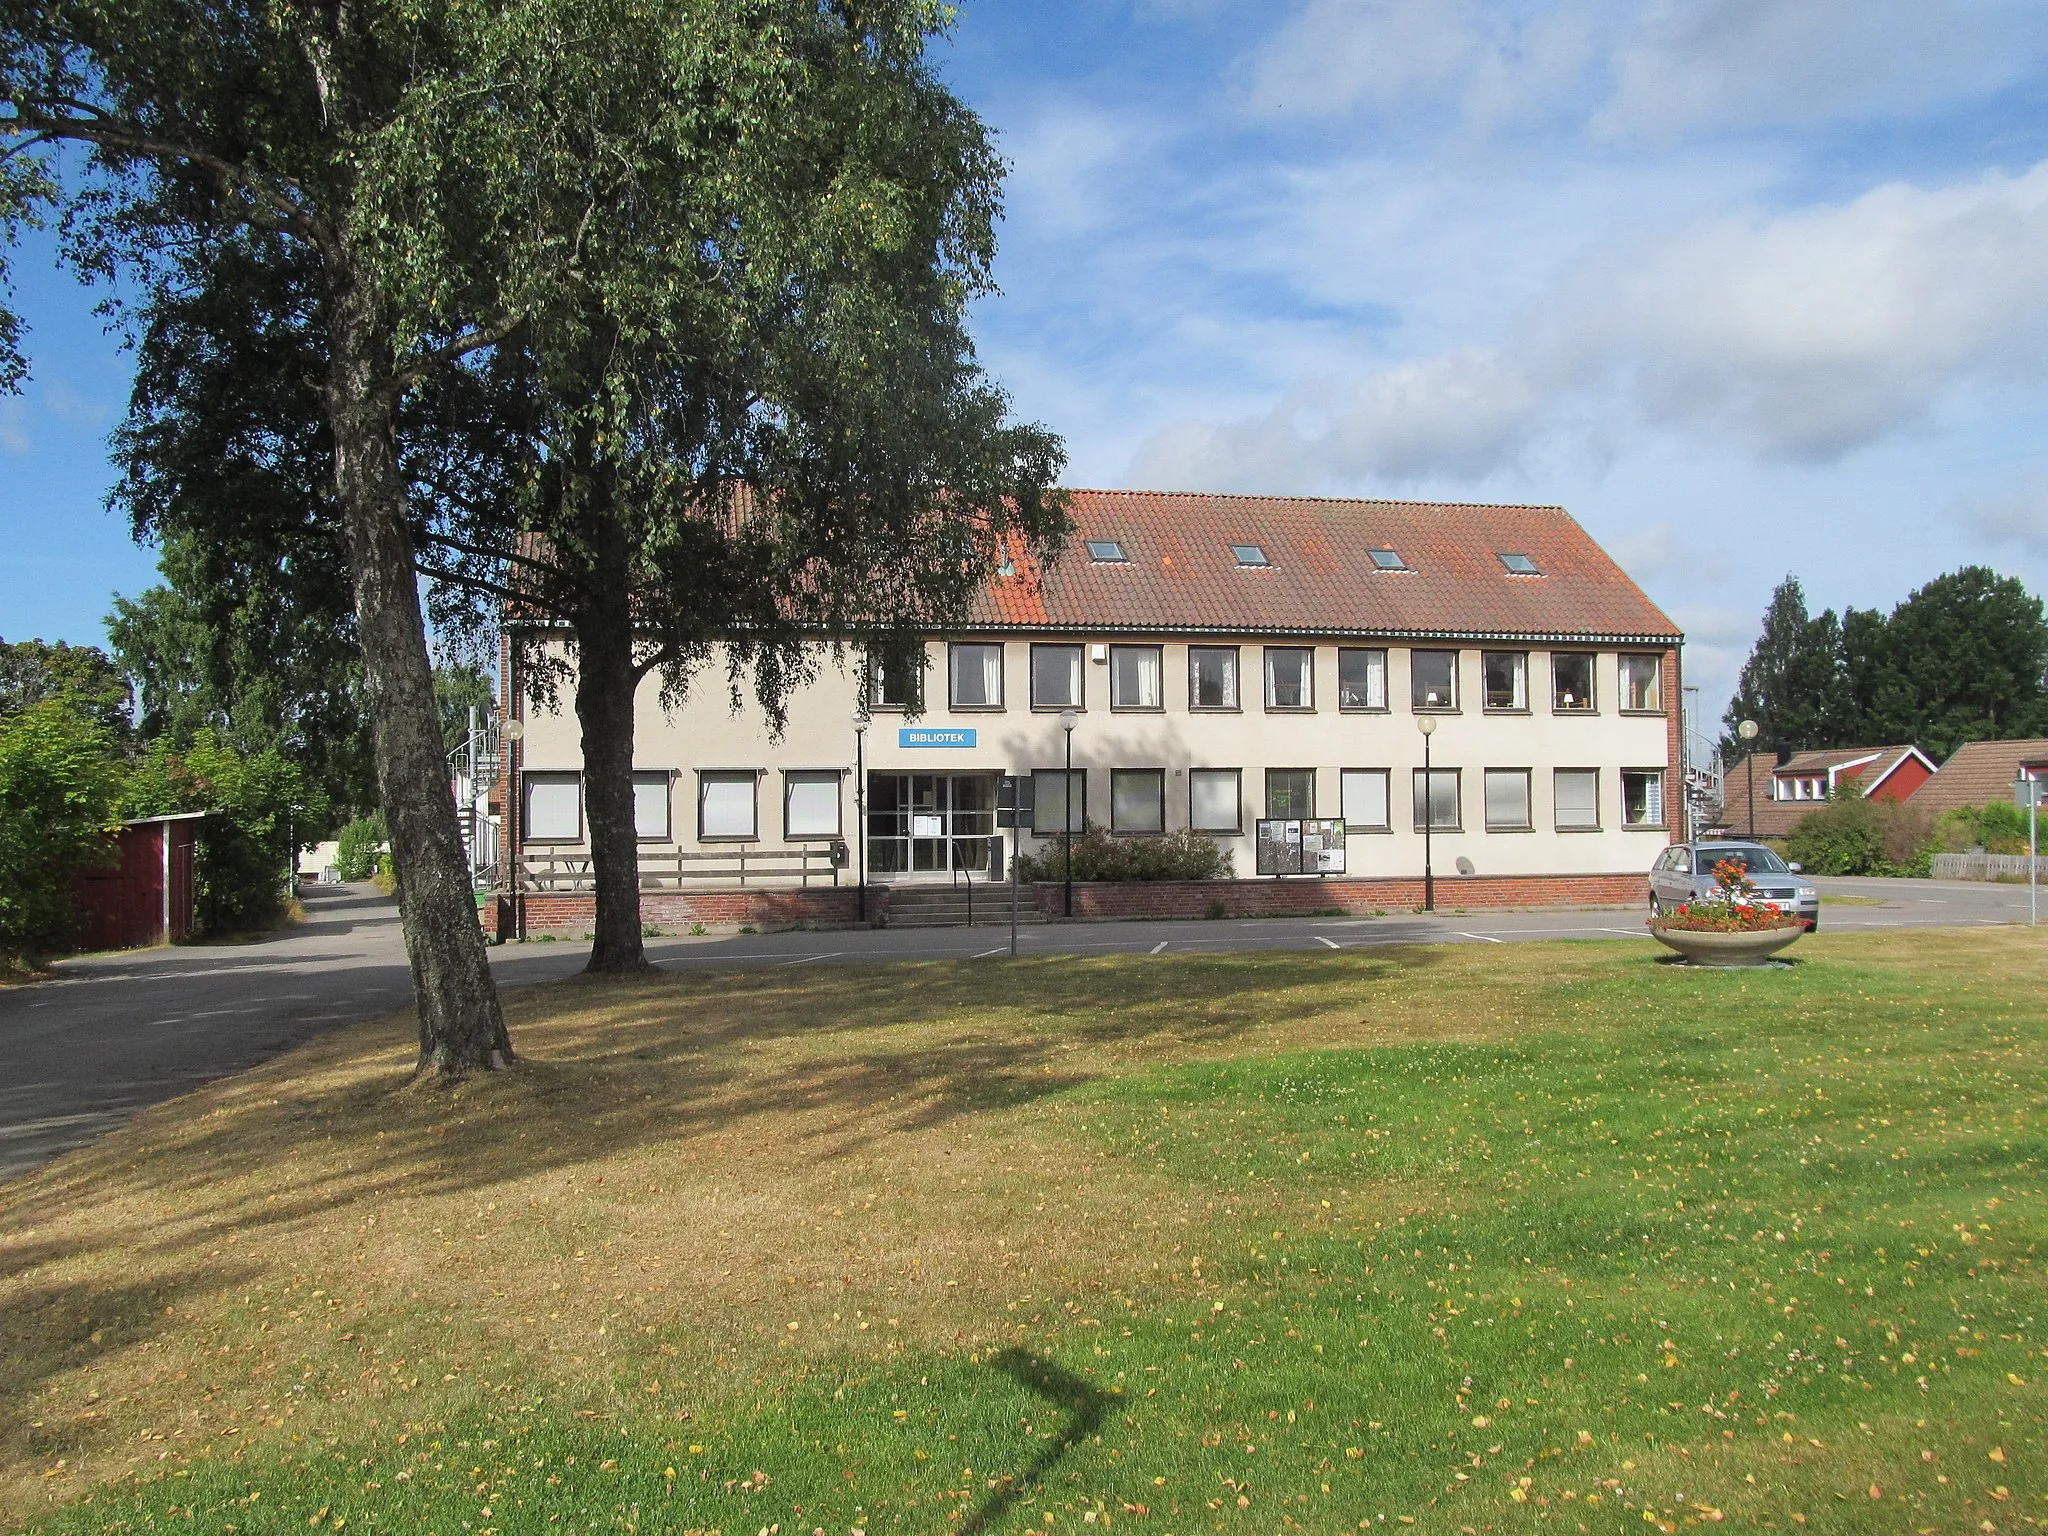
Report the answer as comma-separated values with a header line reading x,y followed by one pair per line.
x,y
1751,286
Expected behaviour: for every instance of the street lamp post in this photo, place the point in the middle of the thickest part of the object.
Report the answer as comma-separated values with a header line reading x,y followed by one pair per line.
x,y
1747,731
860,808
1068,720
1427,725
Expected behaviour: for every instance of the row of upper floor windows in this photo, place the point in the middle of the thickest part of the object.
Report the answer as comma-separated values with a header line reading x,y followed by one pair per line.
x,y
1135,679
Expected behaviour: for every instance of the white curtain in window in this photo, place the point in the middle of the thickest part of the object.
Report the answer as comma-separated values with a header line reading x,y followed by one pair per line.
x,y
650,806
1364,680
1212,799
1136,669
1507,797
977,676
813,804
1578,797
1643,798
1365,799
1056,677
727,804
1287,678
554,807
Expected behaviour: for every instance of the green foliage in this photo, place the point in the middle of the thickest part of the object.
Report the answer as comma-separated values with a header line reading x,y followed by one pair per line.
x,y
34,670
1852,835
1179,855
1961,659
259,803
359,847
459,687
2000,827
58,780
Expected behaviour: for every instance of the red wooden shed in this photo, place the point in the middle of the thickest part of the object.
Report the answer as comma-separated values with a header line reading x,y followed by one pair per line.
x,y
146,895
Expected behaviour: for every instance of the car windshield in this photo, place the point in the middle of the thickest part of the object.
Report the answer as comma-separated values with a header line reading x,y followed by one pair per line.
x,y
1755,861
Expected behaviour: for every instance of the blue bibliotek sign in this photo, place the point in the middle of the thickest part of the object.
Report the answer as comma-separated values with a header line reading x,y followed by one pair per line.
x,y
925,736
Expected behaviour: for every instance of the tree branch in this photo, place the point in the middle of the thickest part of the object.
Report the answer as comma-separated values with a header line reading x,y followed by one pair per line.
x,y
475,341
474,583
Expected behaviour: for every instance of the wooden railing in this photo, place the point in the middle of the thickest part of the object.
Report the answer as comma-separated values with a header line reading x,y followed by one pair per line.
x,y
552,870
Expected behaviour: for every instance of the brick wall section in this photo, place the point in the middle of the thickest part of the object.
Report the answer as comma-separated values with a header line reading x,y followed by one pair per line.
x,y
674,911
1283,898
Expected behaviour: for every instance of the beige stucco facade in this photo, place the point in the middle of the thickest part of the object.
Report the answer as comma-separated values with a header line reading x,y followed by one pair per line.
x,y
1174,740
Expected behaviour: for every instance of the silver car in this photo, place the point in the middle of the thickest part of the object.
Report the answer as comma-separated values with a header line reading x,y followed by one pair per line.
x,y
1686,873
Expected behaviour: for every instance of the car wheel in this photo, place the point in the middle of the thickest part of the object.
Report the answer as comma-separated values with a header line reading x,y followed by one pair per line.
x,y
1656,907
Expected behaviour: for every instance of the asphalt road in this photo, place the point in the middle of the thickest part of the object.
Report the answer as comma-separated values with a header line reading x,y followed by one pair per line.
x,y
115,1033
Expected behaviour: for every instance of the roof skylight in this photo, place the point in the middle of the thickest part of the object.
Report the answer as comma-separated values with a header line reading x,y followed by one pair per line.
x,y
1250,554
1521,565
1388,559
1106,551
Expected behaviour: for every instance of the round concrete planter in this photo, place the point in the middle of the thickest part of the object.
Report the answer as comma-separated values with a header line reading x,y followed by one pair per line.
x,y
1727,949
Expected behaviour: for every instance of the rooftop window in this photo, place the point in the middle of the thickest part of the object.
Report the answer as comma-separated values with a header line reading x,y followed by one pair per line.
x,y
1520,565
1250,554
1388,559
1106,551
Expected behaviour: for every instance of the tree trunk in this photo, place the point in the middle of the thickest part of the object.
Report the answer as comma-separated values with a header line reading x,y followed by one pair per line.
x,y
605,688
462,1028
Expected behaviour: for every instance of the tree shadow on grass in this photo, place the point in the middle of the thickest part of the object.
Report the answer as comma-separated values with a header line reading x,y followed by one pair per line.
x,y
828,1063
1082,1406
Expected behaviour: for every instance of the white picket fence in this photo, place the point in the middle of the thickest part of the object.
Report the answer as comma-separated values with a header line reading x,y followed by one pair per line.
x,y
1987,866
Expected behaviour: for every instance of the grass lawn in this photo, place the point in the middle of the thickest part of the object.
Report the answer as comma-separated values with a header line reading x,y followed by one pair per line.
x,y
1479,1238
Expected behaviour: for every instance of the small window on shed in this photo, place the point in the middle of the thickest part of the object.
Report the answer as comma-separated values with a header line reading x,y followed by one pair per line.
x,y
1520,565
1106,551
1387,559
1250,554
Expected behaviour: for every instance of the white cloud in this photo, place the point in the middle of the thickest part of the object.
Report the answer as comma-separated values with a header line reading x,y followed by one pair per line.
x,y
1798,336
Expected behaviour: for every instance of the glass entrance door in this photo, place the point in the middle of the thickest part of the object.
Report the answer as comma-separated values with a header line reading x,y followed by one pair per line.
x,y
933,824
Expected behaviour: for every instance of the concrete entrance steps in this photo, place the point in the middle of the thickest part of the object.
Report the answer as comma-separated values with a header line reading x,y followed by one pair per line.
x,y
945,906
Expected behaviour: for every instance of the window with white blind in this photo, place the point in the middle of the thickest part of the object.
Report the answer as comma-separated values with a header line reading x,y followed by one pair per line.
x,y
1642,797
810,803
1137,800
553,812
725,805
650,806
1507,800
1436,796
1577,797
977,676
1055,677
1366,805
1059,801
1213,799
1134,677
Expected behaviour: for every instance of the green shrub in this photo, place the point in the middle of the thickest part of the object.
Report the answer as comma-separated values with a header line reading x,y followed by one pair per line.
x,y
355,856
2000,827
258,803
58,781
1181,855
1854,836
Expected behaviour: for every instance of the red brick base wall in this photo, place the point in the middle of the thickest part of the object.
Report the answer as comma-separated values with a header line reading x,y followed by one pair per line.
x,y
674,911
1283,898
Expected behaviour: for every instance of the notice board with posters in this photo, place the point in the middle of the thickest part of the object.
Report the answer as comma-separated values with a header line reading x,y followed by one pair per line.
x,y
1299,846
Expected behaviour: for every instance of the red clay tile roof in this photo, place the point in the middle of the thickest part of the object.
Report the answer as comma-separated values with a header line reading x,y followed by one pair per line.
x,y
1980,772
1180,575
1777,818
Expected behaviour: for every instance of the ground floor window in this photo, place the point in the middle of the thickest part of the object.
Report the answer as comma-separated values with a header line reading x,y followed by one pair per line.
x,y
1137,800
725,805
1507,800
1577,795
1059,801
1366,800
1642,797
1213,799
650,806
810,804
1437,801
1290,793
553,812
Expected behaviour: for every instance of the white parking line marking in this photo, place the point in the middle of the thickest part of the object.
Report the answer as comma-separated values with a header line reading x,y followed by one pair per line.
x,y
1332,943
1000,949
1156,948
1627,933
1484,938
807,959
